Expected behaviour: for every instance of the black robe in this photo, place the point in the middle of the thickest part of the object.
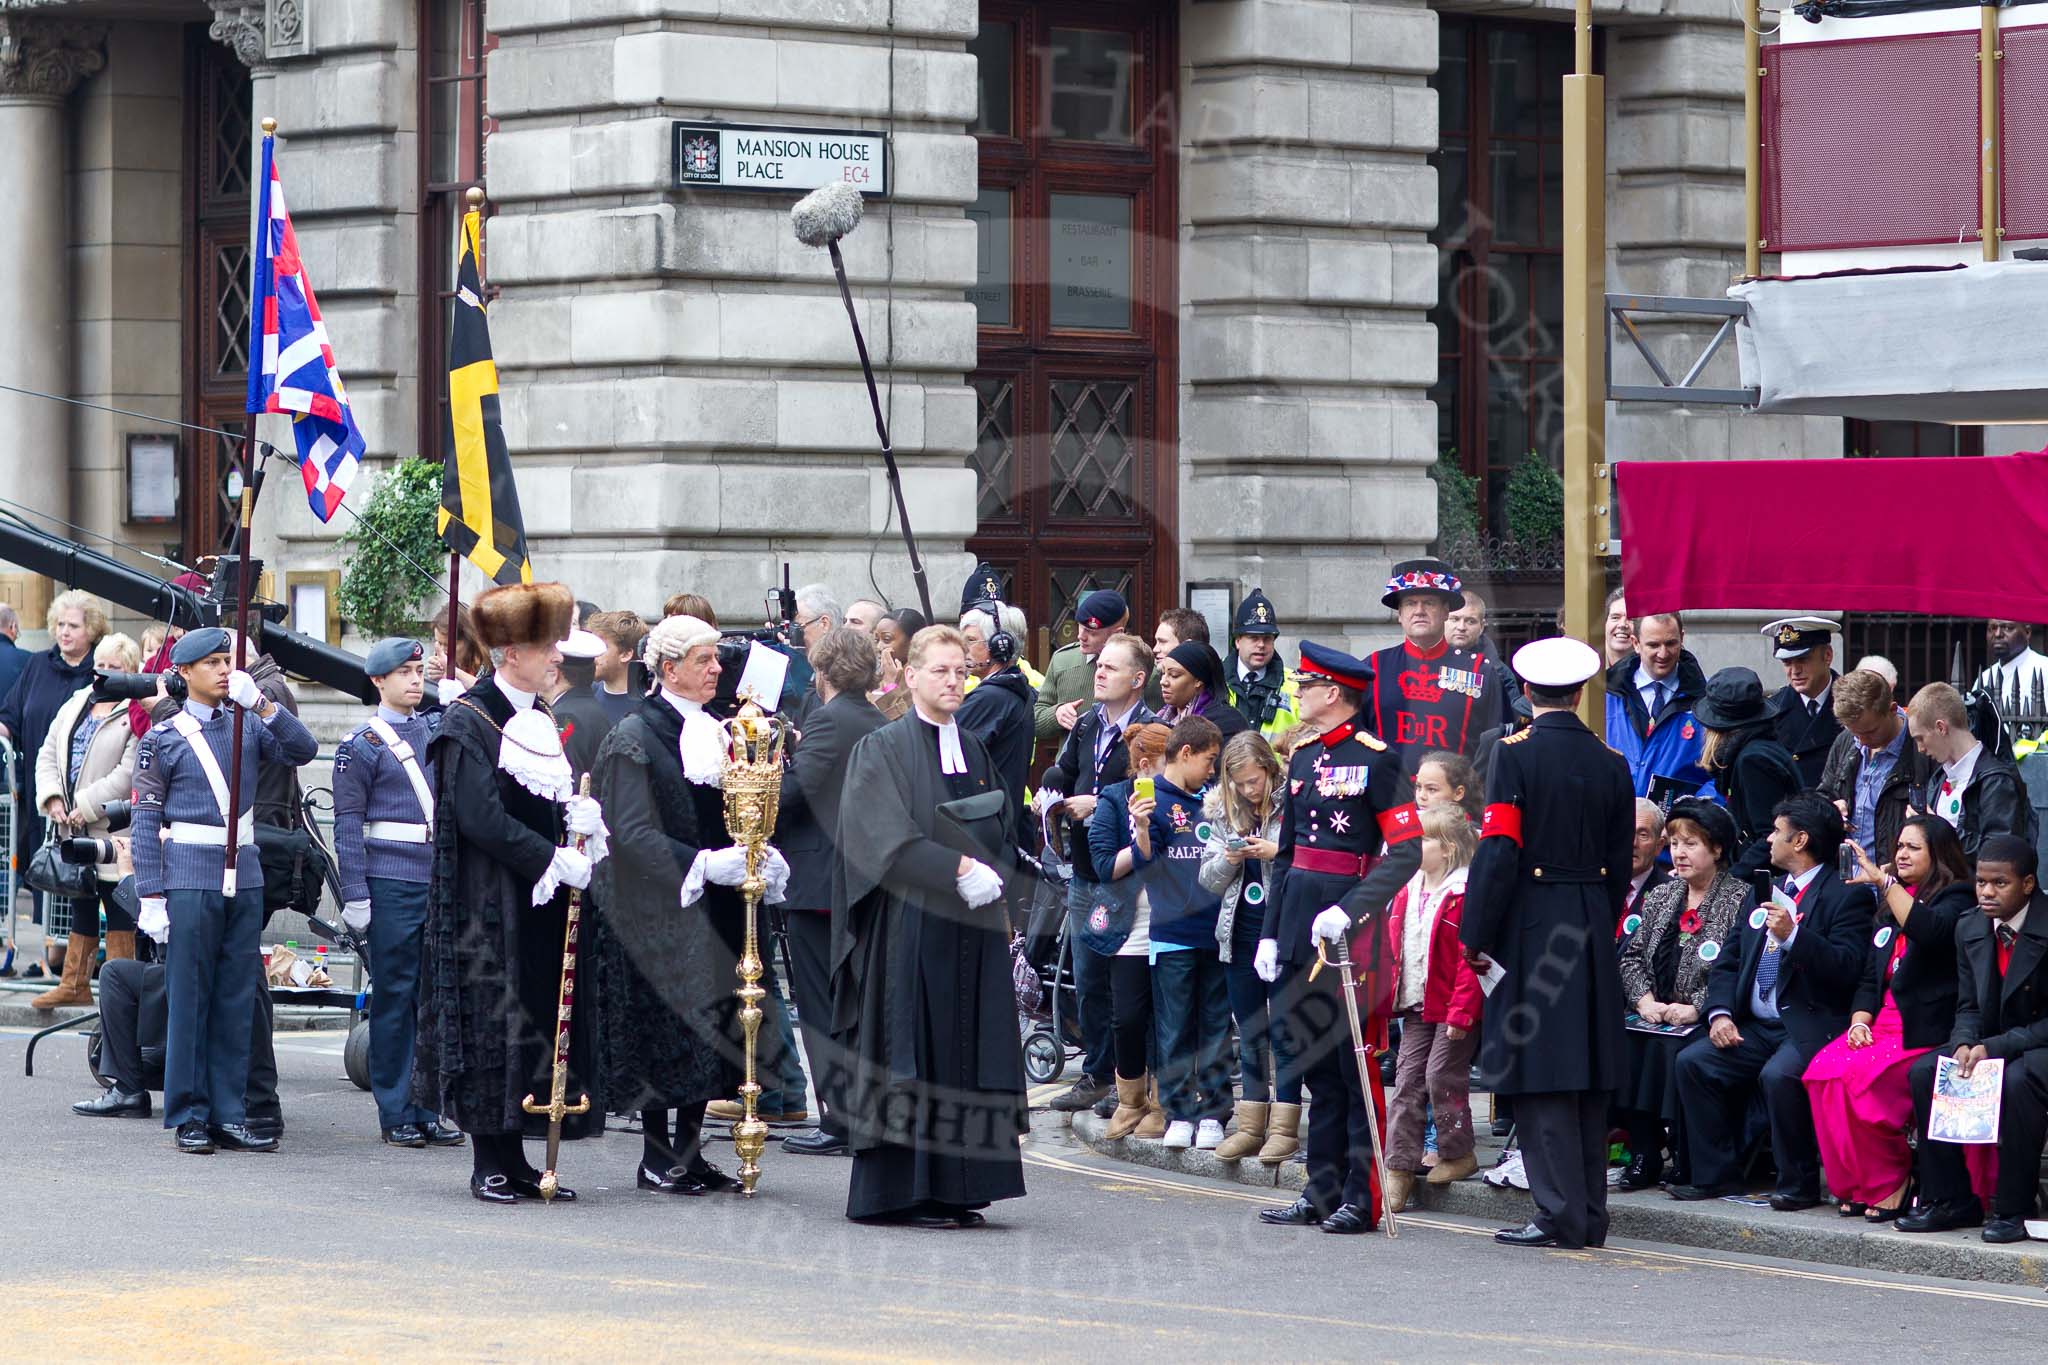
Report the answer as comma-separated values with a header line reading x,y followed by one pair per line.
x,y
922,1004
670,1035
491,964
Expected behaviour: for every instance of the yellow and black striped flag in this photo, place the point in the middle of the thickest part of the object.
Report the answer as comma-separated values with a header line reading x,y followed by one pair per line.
x,y
479,505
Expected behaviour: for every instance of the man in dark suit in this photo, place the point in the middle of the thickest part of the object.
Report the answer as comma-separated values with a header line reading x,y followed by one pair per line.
x,y
1094,757
1802,711
1780,991
845,667
2001,1011
1545,889
1645,872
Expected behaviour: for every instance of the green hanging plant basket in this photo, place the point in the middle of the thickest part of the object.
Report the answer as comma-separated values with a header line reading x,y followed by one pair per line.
x,y
390,550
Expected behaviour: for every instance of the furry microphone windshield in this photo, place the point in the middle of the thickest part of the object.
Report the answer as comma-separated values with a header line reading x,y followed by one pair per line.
x,y
825,215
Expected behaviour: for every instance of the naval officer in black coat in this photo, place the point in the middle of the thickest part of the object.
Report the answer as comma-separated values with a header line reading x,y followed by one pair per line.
x,y
1803,710
1546,887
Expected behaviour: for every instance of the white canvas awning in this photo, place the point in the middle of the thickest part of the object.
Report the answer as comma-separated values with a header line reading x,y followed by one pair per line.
x,y
1962,345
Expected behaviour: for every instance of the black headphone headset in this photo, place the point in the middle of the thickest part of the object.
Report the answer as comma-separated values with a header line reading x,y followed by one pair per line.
x,y
1002,646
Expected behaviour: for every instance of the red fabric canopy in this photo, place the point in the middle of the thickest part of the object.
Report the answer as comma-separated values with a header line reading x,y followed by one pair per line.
x,y
1948,537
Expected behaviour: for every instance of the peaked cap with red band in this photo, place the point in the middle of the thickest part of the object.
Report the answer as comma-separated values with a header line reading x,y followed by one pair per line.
x,y
1320,661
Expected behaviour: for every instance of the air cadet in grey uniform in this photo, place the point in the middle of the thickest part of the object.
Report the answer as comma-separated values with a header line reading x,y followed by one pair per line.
x,y
384,842
208,917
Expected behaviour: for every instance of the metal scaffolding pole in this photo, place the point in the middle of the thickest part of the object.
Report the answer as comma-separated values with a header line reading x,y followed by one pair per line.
x,y
1988,57
1585,357
1752,142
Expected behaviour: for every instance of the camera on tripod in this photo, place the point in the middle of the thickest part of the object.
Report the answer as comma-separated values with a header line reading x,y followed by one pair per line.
x,y
93,849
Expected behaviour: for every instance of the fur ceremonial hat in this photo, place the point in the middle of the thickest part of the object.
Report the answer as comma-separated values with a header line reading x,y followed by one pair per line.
x,y
523,614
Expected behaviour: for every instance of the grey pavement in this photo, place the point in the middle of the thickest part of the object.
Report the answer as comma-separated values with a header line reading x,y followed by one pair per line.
x,y
341,1248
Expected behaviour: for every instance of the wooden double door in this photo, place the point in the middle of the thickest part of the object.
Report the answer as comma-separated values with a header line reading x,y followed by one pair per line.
x,y
1077,300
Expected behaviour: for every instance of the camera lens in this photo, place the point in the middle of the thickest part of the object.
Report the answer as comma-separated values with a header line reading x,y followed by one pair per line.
x,y
86,850
118,814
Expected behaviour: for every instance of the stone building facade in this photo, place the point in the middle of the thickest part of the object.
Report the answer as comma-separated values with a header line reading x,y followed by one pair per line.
x,y
1174,295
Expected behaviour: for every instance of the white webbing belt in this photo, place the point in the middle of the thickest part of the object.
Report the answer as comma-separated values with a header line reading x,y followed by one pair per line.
x,y
396,832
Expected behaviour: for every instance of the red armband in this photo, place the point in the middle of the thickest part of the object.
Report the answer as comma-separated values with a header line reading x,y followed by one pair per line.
x,y
1400,824
1504,820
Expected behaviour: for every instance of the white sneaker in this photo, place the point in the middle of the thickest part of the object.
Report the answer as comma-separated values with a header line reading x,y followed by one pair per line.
x,y
1208,1135
1508,1174
1180,1134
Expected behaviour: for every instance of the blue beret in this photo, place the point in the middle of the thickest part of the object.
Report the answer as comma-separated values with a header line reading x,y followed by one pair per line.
x,y
387,656
195,645
1101,608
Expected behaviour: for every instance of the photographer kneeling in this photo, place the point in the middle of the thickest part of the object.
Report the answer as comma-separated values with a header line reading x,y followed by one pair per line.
x,y
86,766
135,1018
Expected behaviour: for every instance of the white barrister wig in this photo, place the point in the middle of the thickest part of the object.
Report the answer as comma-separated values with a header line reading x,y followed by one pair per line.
x,y
825,215
675,636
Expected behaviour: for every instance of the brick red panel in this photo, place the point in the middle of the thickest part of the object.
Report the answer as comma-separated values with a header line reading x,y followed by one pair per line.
x,y
1871,142
2023,132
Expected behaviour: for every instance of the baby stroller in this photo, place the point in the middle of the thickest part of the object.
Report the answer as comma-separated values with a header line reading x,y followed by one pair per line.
x,y
1042,966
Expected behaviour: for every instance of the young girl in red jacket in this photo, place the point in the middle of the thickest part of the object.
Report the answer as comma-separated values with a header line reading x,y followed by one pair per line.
x,y
1438,1000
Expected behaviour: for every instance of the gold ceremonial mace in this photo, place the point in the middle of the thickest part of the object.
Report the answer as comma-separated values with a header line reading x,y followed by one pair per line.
x,y
753,789
558,1107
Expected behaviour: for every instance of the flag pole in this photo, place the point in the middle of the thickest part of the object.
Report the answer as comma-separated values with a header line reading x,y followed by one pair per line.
x,y
473,197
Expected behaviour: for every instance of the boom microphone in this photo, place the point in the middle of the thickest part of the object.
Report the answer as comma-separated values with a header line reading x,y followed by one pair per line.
x,y
825,215
821,218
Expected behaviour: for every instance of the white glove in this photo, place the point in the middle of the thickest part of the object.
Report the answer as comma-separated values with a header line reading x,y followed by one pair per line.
x,y
243,692
155,918
1266,962
571,868
726,866
979,884
1331,925
447,690
356,915
584,816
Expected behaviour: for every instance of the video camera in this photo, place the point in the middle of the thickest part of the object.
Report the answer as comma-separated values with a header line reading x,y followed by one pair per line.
x,y
779,628
91,850
217,603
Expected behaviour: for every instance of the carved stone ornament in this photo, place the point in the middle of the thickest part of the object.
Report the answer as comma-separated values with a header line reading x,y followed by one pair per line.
x,y
242,26
288,28
47,58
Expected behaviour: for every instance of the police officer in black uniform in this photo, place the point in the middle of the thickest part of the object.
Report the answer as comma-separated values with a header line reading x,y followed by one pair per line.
x,y
1541,901
1803,710
1346,798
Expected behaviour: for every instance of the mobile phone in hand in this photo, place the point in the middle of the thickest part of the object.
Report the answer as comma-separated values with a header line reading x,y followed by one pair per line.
x,y
1142,789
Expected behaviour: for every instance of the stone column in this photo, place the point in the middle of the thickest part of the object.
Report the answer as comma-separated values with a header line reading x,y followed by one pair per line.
x,y
41,63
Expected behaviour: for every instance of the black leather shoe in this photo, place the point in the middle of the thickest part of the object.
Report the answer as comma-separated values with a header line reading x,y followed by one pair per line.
x,y
116,1103
439,1134
1299,1214
236,1137
493,1189
530,1189
1945,1216
405,1135
1642,1173
817,1142
1105,1106
968,1218
1350,1219
674,1180
193,1137
1692,1194
2002,1230
711,1178
1082,1094
1528,1235
1794,1203
271,1129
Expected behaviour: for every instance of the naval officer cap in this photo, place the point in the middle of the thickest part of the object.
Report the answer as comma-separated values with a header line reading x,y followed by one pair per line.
x,y
1556,665
388,656
1795,637
582,644
195,645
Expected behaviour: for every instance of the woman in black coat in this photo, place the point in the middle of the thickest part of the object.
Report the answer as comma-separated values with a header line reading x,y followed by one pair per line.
x,y
47,681
1906,1005
1752,771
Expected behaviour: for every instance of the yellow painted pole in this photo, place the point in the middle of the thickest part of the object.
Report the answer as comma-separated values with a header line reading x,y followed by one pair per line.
x,y
1752,142
1585,357
1988,58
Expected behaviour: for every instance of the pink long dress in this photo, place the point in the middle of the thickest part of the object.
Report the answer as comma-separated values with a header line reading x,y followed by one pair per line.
x,y
1863,1107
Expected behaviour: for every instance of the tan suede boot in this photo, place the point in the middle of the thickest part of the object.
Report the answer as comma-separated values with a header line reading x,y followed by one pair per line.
x,y
75,987
1283,1126
1153,1125
1251,1131
120,945
1130,1108
1399,1185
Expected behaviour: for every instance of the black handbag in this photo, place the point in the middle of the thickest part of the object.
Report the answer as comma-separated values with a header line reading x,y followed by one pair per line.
x,y
51,875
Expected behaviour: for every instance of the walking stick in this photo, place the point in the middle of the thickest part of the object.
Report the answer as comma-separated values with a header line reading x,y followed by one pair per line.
x,y
558,1107
1365,1076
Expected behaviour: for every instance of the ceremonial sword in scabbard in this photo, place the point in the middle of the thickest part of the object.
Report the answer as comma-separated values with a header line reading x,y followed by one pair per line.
x,y
558,1107
1367,1081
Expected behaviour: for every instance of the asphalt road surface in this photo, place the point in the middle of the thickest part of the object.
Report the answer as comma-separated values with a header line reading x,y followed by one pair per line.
x,y
339,1248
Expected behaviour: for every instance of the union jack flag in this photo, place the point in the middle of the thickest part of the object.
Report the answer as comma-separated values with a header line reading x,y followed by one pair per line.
x,y
291,365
